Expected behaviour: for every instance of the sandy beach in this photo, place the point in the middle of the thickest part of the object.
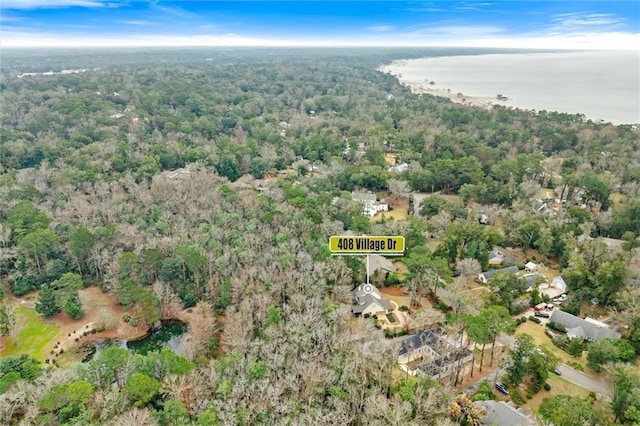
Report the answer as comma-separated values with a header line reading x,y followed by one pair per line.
x,y
419,87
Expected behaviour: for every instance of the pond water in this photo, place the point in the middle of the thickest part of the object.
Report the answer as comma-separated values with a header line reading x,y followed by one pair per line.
x,y
168,335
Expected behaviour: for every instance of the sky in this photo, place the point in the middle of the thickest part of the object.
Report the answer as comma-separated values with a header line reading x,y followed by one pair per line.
x,y
557,24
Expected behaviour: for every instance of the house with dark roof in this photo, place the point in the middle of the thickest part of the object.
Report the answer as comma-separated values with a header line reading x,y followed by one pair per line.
x,y
583,328
484,277
367,300
440,355
504,414
419,345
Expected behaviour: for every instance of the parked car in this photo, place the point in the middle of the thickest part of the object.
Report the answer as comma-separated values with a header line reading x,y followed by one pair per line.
x,y
502,388
560,298
541,314
557,371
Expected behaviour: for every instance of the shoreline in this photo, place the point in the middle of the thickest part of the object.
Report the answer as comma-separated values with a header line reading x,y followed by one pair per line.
x,y
603,93
419,88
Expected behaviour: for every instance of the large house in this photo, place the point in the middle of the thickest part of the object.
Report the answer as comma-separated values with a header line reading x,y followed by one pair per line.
x,y
370,203
440,355
587,329
484,277
367,300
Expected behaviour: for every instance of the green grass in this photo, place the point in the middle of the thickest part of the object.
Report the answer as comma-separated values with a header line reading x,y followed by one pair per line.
x,y
391,318
33,337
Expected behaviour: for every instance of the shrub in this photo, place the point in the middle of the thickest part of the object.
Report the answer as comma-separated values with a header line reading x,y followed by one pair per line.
x,y
403,308
575,365
534,319
547,386
441,306
516,395
555,326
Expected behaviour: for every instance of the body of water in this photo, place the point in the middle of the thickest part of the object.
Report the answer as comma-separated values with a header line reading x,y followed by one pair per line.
x,y
600,85
168,335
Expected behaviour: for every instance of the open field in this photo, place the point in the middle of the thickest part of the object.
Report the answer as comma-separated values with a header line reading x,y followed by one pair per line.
x,y
34,335
37,336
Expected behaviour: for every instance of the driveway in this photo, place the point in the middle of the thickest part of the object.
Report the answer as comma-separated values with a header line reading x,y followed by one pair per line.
x,y
591,383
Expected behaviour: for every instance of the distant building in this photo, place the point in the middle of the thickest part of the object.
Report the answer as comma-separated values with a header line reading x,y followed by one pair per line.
x,y
495,257
367,300
370,203
400,168
484,277
531,267
484,217
377,262
586,329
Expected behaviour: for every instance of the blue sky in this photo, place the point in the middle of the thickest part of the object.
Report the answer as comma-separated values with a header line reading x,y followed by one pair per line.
x,y
492,23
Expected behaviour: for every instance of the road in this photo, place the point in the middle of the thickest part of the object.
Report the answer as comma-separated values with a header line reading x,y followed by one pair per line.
x,y
592,383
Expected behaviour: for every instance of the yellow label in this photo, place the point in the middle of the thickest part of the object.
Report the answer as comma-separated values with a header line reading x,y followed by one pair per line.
x,y
366,244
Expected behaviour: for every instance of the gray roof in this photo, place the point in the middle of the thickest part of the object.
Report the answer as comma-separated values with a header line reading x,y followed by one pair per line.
x,y
427,337
532,279
366,294
365,301
380,262
578,327
491,272
502,414
363,196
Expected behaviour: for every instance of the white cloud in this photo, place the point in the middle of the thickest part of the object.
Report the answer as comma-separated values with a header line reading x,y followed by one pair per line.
x,y
382,28
454,31
447,37
51,4
582,20
139,23
172,10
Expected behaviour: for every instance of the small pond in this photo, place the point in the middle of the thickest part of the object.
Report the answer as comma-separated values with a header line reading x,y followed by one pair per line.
x,y
168,334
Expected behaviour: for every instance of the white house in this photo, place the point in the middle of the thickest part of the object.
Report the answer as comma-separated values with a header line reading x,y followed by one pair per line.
x,y
368,300
531,267
558,282
370,203
400,168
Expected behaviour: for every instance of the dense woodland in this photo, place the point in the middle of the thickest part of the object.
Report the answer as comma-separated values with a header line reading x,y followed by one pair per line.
x,y
209,178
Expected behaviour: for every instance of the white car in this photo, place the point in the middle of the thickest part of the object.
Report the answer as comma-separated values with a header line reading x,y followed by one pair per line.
x,y
560,298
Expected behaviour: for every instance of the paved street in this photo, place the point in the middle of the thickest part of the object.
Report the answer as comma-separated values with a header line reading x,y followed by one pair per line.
x,y
595,384
591,383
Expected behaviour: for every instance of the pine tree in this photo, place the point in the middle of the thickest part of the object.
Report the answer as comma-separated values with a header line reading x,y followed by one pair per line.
x,y
72,307
47,304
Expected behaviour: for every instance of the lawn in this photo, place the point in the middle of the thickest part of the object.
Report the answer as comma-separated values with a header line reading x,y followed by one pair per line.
x,y
542,340
391,318
34,335
395,214
558,386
